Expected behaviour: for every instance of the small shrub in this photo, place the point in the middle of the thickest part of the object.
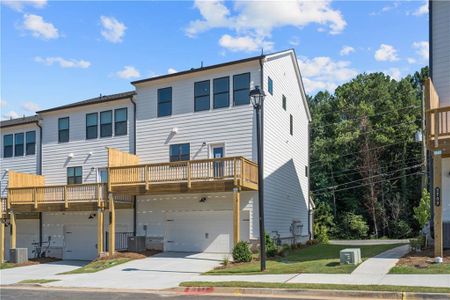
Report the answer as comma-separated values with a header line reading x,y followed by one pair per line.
x,y
312,242
271,248
225,261
242,253
400,229
353,226
284,250
321,233
422,212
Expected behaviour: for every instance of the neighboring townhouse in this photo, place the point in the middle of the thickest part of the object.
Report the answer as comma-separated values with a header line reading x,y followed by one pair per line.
x,y
437,94
182,172
20,152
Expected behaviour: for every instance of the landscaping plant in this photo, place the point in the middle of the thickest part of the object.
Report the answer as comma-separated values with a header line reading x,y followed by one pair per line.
x,y
271,248
242,253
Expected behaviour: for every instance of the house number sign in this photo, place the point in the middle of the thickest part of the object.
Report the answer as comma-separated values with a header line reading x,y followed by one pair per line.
x,y
437,196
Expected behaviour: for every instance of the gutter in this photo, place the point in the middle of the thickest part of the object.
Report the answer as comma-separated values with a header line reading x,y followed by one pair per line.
x,y
134,152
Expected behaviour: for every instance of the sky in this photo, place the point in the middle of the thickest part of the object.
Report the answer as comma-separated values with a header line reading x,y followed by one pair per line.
x,y
58,52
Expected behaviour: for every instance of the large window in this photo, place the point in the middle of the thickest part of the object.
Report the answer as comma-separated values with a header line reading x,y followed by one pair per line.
x,y
63,130
179,152
120,121
8,145
106,123
91,126
74,175
221,88
241,89
31,143
201,95
270,85
164,102
18,144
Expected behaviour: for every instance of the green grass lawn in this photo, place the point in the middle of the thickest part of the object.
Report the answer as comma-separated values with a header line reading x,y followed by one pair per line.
x,y
321,258
29,281
430,269
7,265
98,265
316,286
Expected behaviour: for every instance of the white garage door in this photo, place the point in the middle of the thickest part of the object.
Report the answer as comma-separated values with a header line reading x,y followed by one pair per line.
x,y
80,242
206,231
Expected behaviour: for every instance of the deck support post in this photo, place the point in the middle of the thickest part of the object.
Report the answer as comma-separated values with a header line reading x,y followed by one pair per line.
x,y
100,229
12,222
236,215
2,241
112,226
437,203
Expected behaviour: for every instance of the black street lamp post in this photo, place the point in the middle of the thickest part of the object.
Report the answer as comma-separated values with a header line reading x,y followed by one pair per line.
x,y
257,97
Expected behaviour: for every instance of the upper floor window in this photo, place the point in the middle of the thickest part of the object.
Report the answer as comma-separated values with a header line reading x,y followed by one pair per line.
x,y
284,102
18,144
120,121
63,130
74,175
8,145
91,126
241,89
221,88
106,123
179,152
291,124
270,85
201,95
102,175
31,143
164,102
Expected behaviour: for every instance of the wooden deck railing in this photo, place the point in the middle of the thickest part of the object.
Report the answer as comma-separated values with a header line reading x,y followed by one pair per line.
x,y
77,193
239,169
439,120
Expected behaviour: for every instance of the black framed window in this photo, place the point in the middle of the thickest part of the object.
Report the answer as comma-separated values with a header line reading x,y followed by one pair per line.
x,y
291,124
284,102
270,85
165,102
8,143
74,175
201,95
106,123
241,89
31,143
18,144
179,152
91,126
120,121
221,89
63,130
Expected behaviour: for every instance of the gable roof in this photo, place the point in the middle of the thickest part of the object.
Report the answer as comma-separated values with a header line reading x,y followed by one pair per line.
x,y
101,99
19,121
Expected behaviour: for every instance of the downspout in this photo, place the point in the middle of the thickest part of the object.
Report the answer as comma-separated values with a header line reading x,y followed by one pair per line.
x,y
429,154
310,213
134,152
40,173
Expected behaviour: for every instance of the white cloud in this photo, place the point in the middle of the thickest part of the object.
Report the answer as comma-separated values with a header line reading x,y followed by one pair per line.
x,y
3,103
411,60
386,53
171,71
30,107
63,63
244,43
324,73
395,73
10,115
422,10
113,30
19,5
257,19
39,27
346,50
422,49
128,72
294,41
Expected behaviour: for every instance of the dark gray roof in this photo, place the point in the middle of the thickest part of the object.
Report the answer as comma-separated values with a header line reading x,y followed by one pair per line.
x,y
96,100
19,121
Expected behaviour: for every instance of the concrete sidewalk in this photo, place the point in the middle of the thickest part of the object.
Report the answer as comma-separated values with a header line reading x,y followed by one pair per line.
x,y
381,263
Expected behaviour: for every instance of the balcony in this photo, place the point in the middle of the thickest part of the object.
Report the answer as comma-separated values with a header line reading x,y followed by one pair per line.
x,y
195,176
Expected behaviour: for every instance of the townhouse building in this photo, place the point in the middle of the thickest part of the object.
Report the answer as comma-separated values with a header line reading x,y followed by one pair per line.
x,y
173,161
437,95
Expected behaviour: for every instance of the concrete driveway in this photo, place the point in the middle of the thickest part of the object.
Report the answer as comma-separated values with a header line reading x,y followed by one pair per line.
x,y
41,271
164,270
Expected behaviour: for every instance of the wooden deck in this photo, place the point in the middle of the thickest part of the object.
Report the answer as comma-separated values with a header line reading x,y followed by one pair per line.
x,y
194,176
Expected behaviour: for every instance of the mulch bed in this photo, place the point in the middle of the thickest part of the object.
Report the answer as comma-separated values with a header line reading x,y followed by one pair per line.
x,y
130,255
422,259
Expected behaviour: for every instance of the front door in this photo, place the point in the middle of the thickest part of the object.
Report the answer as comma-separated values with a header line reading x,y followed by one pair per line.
x,y
218,165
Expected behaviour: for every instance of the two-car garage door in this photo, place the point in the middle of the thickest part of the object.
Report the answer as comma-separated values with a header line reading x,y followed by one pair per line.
x,y
199,231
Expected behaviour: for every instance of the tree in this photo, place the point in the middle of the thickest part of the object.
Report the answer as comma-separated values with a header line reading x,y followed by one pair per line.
x,y
422,212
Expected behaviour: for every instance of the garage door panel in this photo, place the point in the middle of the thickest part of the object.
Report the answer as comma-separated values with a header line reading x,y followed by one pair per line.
x,y
80,242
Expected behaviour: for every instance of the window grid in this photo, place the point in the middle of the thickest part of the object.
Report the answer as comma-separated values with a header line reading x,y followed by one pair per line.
x,y
8,142
241,89
30,148
284,102
106,123
74,175
165,102
221,89
120,121
18,144
270,85
179,152
63,130
91,126
202,95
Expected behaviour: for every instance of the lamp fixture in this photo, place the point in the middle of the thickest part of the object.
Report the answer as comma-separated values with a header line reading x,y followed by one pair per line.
x,y
174,130
71,155
202,199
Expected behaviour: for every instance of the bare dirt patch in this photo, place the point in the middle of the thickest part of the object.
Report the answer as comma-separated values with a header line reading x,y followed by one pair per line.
x,y
422,259
130,255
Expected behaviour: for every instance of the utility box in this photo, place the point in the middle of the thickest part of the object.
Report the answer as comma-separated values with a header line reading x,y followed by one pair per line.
x,y
18,255
350,256
136,243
